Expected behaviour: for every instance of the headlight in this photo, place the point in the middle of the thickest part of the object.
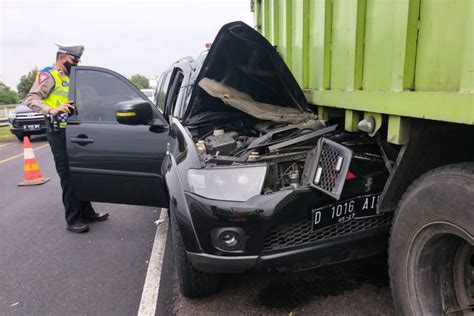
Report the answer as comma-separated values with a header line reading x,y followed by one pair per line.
x,y
11,116
228,184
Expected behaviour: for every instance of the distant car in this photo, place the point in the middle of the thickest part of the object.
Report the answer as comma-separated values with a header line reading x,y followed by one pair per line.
x,y
26,122
149,93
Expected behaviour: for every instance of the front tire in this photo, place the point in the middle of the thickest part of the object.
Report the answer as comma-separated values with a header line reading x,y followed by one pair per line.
x,y
431,255
192,282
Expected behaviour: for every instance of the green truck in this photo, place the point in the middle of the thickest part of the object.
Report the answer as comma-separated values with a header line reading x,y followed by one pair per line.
x,y
401,70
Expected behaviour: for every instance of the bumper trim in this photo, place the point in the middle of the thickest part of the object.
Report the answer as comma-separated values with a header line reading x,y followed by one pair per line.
x,y
359,245
219,264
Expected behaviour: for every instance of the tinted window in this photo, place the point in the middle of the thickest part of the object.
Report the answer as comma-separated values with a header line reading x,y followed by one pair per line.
x,y
97,94
161,97
174,91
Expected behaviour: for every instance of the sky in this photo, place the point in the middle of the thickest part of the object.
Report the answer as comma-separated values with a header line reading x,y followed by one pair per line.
x,y
129,37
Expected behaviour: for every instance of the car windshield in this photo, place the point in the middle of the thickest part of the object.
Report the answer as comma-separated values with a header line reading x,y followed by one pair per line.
x,y
198,65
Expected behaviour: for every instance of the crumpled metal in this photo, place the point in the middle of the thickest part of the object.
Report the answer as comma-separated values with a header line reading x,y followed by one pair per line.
x,y
245,103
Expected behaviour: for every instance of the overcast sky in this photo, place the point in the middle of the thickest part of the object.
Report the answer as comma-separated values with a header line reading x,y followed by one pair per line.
x,y
126,36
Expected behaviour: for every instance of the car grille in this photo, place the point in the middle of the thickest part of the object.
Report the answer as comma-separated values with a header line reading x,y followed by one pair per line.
x,y
23,119
332,164
300,233
327,161
29,116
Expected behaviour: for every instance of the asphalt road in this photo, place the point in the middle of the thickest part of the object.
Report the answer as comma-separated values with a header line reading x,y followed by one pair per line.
x,y
46,270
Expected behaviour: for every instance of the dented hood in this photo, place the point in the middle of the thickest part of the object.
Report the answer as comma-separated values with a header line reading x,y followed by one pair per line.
x,y
245,103
243,59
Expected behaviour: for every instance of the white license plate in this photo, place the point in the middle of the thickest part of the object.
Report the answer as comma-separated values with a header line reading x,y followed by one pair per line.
x,y
345,211
31,127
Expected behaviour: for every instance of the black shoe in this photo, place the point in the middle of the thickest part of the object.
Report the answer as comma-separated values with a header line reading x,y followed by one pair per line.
x,y
78,227
98,217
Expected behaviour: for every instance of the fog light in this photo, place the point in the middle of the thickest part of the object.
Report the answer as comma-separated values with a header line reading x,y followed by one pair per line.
x,y
228,239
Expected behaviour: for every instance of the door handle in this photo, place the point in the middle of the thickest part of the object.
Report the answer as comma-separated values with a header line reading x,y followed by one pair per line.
x,y
81,140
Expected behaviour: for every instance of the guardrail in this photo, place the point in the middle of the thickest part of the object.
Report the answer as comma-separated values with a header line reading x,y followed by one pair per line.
x,y
5,109
3,122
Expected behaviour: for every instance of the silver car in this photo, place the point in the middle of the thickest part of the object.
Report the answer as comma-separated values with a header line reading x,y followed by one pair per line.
x,y
26,122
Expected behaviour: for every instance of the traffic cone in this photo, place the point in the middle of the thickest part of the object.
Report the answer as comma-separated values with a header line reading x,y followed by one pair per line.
x,y
32,175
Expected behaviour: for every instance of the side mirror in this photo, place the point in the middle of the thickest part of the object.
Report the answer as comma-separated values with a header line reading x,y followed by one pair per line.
x,y
134,112
157,125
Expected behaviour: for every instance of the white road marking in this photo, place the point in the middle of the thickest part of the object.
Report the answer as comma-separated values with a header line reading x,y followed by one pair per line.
x,y
151,287
5,144
21,155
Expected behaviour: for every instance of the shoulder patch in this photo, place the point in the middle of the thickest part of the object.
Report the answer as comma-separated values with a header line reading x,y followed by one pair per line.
x,y
43,77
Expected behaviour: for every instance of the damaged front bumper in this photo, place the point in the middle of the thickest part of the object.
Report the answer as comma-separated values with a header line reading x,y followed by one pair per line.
x,y
277,233
340,249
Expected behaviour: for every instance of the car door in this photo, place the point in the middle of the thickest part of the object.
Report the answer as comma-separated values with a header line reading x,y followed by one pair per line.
x,y
112,162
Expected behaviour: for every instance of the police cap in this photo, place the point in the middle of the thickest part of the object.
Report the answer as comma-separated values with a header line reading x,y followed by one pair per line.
x,y
75,51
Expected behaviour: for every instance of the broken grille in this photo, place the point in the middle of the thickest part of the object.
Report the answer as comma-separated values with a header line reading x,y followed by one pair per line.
x,y
327,162
332,163
300,233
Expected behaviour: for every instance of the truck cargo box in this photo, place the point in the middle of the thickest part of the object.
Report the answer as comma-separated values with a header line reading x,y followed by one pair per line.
x,y
404,58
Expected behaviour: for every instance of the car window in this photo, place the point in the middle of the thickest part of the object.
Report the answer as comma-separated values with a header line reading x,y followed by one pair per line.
x,y
172,94
199,62
186,94
97,94
148,93
161,97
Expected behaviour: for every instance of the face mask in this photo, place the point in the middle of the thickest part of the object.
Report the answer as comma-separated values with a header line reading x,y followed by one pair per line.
x,y
68,66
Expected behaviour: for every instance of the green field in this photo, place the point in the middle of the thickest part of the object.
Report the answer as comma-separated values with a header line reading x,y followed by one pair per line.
x,y
5,134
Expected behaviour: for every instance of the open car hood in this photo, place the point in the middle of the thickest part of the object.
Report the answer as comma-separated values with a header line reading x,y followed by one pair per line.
x,y
243,59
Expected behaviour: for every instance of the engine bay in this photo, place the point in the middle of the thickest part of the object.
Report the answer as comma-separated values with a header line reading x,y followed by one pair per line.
x,y
289,151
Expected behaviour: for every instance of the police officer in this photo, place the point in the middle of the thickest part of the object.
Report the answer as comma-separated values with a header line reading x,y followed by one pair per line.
x,y
49,95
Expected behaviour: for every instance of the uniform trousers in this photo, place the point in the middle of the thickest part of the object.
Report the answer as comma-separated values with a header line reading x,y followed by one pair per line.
x,y
75,210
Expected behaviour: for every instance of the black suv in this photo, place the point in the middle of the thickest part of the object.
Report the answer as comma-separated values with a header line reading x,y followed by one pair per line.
x,y
250,176
26,122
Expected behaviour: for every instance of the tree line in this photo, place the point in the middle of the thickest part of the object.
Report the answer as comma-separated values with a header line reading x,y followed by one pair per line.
x,y
9,96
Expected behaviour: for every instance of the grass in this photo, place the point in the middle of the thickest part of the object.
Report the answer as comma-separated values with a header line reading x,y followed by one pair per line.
x,y
5,134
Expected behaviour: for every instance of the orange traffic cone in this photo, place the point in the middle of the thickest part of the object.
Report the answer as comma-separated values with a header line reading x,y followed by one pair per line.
x,y
32,175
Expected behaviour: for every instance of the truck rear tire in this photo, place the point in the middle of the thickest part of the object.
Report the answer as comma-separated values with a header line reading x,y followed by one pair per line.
x,y
192,282
431,255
